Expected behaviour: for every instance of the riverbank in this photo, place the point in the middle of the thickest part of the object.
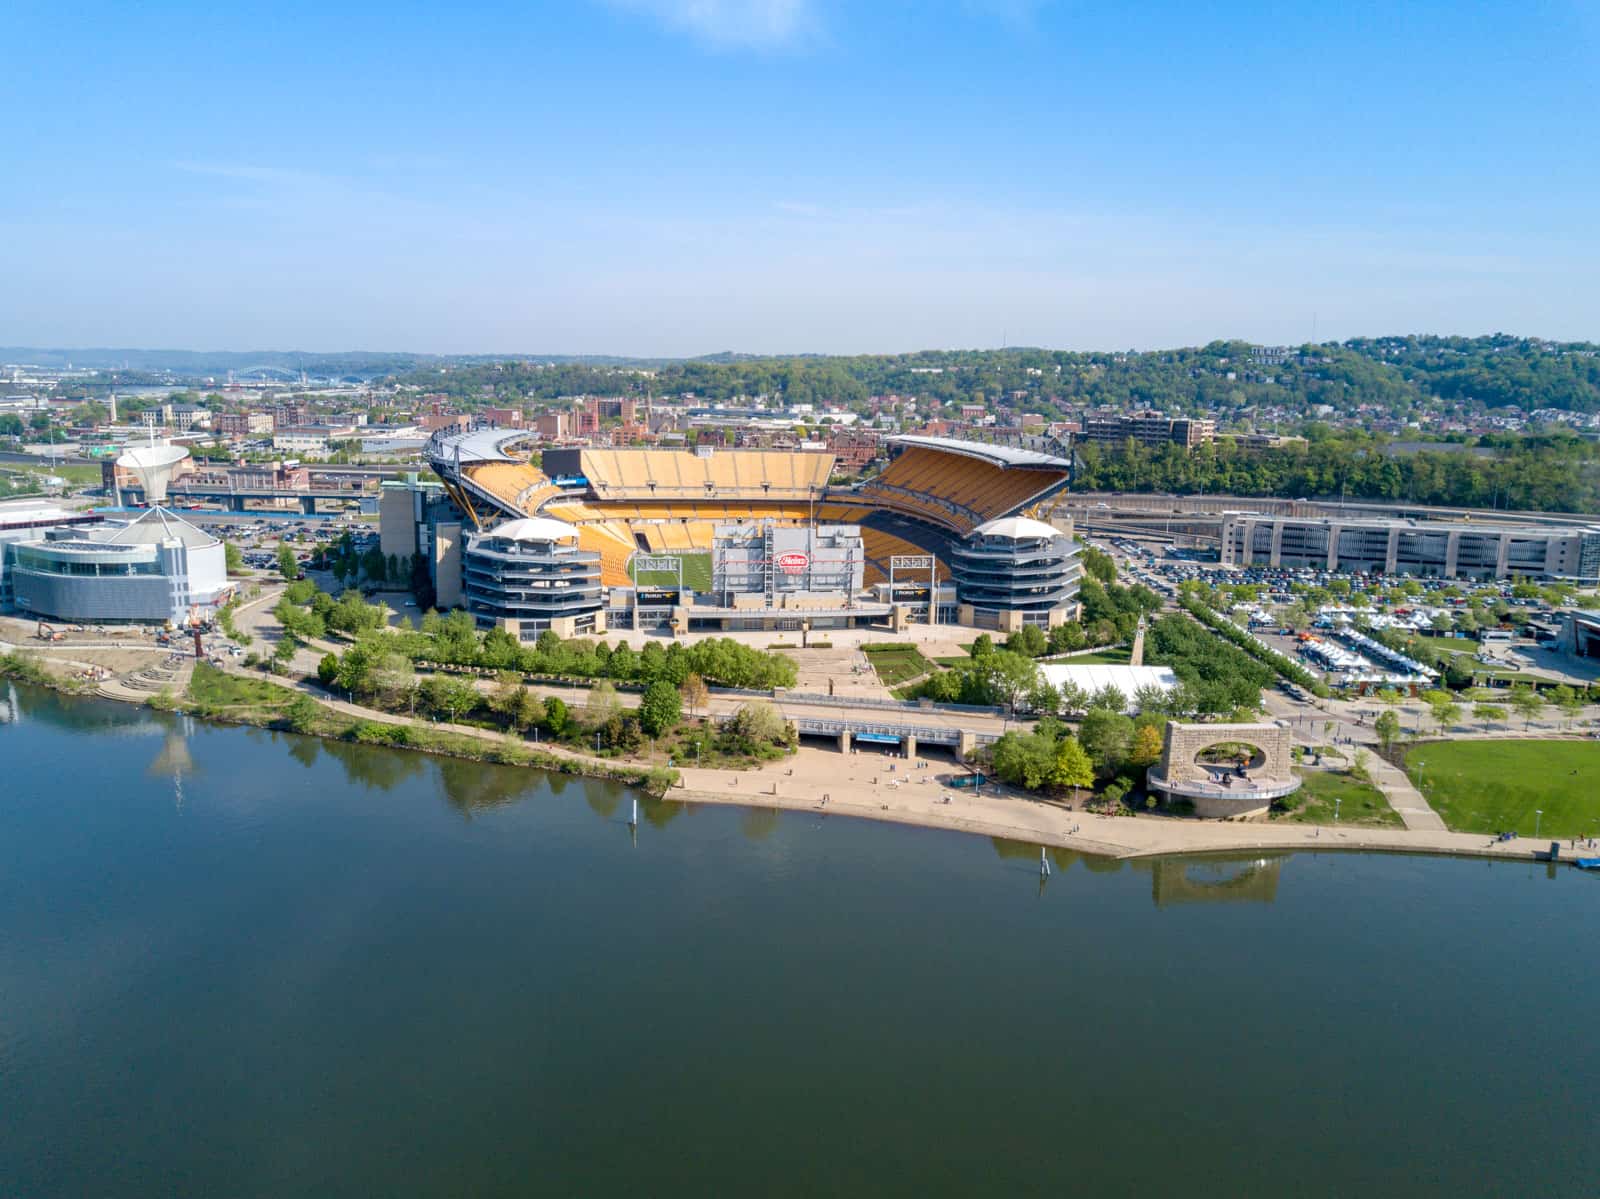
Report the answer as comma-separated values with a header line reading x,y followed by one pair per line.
x,y
862,785
829,785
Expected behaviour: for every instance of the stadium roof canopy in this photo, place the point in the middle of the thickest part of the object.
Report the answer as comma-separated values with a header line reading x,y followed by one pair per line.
x,y
475,445
1004,456
1017,528
534,528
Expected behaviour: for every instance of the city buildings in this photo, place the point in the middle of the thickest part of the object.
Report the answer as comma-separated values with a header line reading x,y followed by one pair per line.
x,y
1148,428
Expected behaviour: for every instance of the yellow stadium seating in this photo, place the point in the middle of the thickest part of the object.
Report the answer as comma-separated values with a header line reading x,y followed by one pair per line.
x,y
518,486
954,490
734,474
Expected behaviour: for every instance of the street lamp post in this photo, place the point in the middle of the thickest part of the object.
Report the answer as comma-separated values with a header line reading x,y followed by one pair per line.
x,y
1336,802
1537,813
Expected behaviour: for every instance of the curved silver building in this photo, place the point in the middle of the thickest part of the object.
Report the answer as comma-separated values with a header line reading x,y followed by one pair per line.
x,y
157,568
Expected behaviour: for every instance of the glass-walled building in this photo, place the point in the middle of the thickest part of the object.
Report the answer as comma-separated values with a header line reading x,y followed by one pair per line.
x,y
156,569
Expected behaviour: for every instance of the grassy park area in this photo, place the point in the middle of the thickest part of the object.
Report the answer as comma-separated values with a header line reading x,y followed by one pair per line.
x,y
1496,786
1115,655
1359,803
896,663
696,572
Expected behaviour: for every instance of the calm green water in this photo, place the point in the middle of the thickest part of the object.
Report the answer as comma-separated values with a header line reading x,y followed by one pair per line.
x,y
233,963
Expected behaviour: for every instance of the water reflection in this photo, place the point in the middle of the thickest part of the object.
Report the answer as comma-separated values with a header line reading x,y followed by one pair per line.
x,y
373,767
1252,879
1173,881
474,786
602,801
758,824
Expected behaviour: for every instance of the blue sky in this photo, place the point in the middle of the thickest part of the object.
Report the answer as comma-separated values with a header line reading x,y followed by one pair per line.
x,y
688,176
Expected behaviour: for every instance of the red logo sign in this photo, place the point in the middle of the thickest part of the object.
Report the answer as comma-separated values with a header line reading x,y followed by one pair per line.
x,y
793,564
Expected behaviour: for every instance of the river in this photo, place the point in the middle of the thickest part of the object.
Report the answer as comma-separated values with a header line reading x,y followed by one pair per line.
x,y
241,963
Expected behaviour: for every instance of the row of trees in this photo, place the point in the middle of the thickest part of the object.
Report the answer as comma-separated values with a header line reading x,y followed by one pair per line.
x,y
454,639
1554,473
374,673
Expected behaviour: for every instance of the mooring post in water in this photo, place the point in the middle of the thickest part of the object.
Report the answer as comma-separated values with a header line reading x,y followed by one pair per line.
x,y
633,821
1044,864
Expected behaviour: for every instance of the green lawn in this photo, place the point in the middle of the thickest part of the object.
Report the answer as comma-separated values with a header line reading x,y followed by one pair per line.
x,y
696,572
1460,645
215,689
79,476
1116,655
895,666
1359,803
1496,786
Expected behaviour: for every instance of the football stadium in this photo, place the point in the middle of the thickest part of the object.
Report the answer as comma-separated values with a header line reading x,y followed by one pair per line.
x,y
650,519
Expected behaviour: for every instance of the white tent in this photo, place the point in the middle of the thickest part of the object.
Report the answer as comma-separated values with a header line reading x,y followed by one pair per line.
x,y
1097,676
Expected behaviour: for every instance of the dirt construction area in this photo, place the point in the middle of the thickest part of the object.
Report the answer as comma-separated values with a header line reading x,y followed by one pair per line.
x,y
128,648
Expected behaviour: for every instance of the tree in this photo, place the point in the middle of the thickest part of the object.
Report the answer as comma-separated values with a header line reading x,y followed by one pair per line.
x,y
287,566
1008,677
448,696
1044,699
372,563
1488,713
759,721
1388,728
1568,701
695,692
527,711
1025,759
601,705
555,715
1146,748
503,699
283,654
233,558
982,646
1029,641
302,713
1073,767
1446,712
1527,702
1108,737
328,670
660,708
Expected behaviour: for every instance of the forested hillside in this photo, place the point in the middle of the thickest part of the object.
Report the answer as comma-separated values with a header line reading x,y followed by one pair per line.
x,y
1394,375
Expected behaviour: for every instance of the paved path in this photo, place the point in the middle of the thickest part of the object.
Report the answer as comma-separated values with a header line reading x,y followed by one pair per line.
x,y
1402,796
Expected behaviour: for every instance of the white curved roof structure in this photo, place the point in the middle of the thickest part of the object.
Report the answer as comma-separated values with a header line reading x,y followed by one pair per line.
x,y
1017,528
157,527
1006,456
533,528
153,464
